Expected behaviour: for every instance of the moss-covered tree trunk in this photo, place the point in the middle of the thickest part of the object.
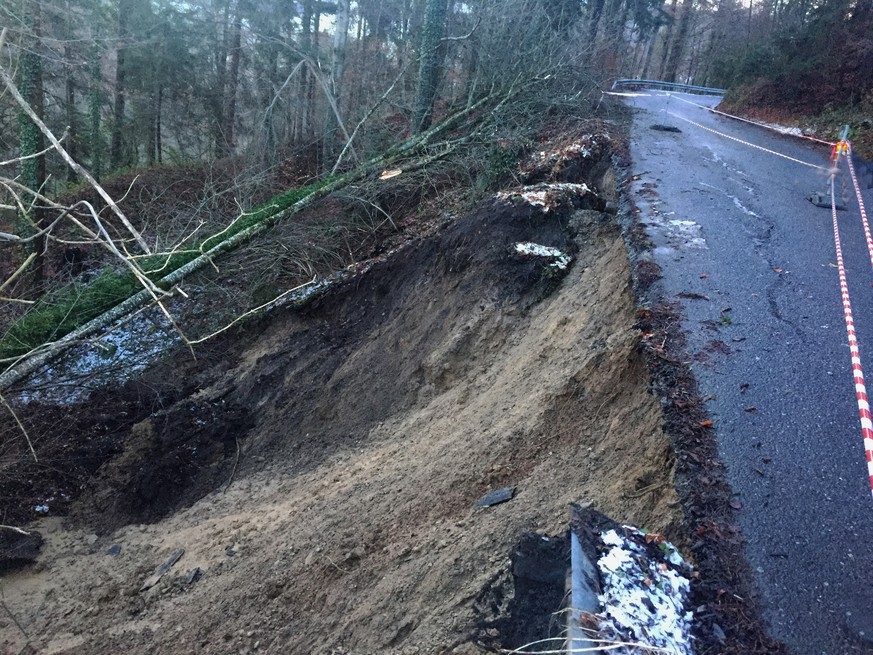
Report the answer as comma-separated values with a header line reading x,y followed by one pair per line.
x,y
430,63
31,141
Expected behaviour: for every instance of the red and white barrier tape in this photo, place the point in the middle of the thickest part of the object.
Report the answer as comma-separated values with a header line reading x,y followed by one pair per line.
x,y
746,120
857,373
751,145
864,220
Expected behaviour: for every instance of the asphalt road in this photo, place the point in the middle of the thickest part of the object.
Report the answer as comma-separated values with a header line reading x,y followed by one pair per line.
x,y
732,223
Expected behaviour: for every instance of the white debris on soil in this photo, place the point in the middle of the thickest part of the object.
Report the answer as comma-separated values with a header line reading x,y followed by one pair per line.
x,y
544,195
645,591
560,259
584,149
784,129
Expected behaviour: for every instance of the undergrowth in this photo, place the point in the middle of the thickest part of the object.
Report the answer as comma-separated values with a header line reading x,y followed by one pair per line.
x,y
60,312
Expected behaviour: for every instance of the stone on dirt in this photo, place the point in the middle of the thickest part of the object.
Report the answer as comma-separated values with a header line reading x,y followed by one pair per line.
x,y
155,577
496,497
18,547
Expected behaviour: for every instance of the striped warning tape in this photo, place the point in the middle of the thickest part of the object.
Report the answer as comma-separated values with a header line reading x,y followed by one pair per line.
x,y
746,120
863,405
751,145
857,373
860,198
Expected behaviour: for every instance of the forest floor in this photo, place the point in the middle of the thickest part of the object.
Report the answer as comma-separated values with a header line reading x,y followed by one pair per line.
x,y
320,467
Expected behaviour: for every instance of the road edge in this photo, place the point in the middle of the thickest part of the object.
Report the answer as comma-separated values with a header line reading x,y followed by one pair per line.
x,y
728,619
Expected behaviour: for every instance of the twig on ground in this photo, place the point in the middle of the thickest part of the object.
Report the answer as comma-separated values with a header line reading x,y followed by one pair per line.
x,y
250,312
12,616
20,426
14,529
644,491
335,565
233,471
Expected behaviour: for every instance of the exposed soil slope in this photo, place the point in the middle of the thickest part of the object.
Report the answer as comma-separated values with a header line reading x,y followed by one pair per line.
x,y
368,426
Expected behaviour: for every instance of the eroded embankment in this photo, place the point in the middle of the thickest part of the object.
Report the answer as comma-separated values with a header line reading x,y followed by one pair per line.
x,y
368,426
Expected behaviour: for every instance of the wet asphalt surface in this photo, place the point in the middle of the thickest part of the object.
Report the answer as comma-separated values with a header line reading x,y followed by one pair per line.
x,y
732,224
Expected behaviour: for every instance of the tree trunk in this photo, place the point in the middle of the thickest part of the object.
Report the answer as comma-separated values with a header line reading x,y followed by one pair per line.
x,y
337,69
70,101
315,54
72,120
301,122
668,39
31,141
232,82
596,12
430,63
116,146
677,49
649,52
95,140
159,146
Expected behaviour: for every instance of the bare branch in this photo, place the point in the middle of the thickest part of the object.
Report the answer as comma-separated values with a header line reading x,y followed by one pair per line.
x,y
284,84
9,162
465,36
14,529
25,106
251,311
330,99
20,427
366,118
19,271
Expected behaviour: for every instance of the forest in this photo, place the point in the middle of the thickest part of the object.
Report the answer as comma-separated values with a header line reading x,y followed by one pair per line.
x,y
158,84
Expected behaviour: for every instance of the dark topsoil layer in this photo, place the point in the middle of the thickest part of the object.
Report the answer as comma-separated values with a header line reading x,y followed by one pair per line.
x,y
191,444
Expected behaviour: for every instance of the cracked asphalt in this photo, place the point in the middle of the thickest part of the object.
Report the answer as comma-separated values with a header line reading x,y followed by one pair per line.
x,y
753,264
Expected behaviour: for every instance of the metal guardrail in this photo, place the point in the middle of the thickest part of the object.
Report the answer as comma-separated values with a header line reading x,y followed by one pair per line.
x,y
669,85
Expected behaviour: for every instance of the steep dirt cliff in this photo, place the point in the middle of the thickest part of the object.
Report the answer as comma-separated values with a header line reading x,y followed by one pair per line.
x,y
358,434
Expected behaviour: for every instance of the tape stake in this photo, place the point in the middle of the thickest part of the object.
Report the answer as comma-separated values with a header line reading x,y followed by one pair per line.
x,y
857,372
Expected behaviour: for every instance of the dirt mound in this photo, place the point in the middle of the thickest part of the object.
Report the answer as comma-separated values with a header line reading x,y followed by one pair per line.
x,y
369,424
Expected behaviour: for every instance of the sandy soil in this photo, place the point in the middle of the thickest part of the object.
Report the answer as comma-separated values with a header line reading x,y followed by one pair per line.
x,y
373,421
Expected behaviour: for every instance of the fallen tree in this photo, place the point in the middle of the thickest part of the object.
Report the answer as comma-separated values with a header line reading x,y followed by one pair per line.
x,y
413,154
